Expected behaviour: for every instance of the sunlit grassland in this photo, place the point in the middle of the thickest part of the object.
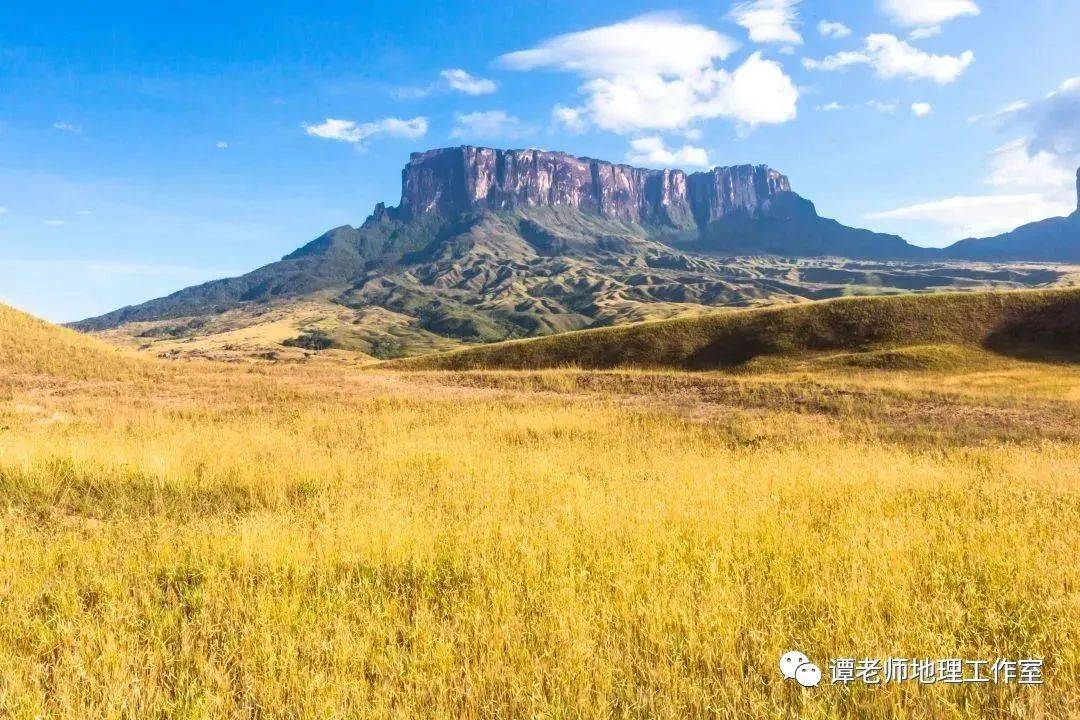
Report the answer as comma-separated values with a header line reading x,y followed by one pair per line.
x,y
203,541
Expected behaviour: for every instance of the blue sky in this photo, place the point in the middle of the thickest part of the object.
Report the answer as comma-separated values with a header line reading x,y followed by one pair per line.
x,y
148,146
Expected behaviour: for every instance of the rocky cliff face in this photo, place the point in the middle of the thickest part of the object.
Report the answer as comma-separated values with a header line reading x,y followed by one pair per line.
x,y
471,178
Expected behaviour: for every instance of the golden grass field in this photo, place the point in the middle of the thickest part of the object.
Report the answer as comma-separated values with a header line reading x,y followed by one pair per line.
x,y
197,540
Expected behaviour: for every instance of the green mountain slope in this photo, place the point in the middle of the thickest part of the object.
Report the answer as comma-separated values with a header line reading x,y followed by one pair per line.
x,y
393,287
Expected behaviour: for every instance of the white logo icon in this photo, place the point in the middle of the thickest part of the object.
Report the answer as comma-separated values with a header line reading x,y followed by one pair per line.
x,y
794,665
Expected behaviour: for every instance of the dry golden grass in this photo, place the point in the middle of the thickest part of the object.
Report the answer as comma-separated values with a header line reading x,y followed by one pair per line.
x,y
32,346
317,542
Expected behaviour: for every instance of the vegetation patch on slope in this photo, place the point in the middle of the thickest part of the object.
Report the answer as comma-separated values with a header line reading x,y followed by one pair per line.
x,y
1042,324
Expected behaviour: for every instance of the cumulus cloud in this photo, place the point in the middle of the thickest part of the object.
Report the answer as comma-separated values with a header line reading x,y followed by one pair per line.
x,y
221,145
450,80
830,107
488,125
460,80
921,109
571,119
926,13
652,151
1033,176
768,21
830,28
360,133
892,57
657,72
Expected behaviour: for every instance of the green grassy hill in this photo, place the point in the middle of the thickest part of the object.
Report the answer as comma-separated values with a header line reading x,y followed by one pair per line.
x,y
906,331
29,346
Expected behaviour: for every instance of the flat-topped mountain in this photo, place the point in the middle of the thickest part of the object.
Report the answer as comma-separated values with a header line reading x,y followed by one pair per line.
x,y
490,244
730,210
463,179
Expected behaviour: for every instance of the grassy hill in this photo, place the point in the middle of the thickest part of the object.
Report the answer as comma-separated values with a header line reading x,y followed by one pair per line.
x,y
34,347
897,331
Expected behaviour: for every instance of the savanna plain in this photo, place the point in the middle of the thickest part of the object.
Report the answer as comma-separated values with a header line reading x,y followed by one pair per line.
x,y
199,540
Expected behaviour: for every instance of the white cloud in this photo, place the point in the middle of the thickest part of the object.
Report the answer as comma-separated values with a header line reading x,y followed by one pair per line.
x,y
830,107
921,109
892,57
359,133
570,119
829,28
926,32
654,44
768,21
657,72
1017,166
692,134
925,13
54,223
1001,112
489,124
885,107
450,79
221,145
837,61
67,127
652,151
758,92
977,215
462,81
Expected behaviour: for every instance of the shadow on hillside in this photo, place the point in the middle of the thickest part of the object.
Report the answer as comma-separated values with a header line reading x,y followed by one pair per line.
x,y
932,330
799,331
1050,332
